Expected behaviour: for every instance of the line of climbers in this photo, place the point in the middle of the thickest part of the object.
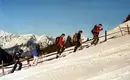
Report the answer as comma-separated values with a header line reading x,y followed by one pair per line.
x,y
60,43
77,40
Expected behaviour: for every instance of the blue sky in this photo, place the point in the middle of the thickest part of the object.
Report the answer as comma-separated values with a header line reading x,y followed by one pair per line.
x,y
53,17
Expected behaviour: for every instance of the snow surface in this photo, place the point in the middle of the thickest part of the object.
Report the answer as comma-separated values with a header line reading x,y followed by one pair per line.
x,y
106,61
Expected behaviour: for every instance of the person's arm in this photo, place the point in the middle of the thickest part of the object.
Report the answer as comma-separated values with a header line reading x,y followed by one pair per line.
x,y
101,29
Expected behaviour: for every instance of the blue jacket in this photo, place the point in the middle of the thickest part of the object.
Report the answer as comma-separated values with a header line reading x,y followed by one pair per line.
x,y
35,53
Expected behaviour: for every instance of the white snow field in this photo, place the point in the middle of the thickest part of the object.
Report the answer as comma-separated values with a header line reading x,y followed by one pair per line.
x,y
106,61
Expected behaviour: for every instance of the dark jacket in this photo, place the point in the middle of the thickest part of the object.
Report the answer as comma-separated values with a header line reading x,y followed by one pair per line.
x,y
78,37
17,55
38,48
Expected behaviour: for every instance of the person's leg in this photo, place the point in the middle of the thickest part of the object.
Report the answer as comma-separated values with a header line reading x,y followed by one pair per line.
x,y
94,39
81,47
33,62
15,65
97,39
58,51
36,60
28,61
61,50
76,46
74,43
20,65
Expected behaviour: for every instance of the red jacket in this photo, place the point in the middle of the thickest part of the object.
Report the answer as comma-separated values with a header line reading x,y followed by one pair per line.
x,y
61,42
97,30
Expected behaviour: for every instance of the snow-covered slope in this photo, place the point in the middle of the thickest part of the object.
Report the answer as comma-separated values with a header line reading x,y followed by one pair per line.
x,y
118,31
106,61
8,40
122,27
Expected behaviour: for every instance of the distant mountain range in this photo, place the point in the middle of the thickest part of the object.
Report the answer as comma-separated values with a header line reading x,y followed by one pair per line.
x,y
8,40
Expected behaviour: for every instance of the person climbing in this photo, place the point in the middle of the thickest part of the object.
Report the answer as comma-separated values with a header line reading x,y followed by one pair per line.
x,y
17,56
95,31
79,41
35,54
60,45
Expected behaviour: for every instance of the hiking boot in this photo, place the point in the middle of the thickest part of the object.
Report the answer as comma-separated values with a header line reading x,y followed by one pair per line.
x,y
57,56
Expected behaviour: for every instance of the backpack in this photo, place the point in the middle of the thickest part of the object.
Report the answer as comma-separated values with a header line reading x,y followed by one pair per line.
x,y
94,29
75,37
57,40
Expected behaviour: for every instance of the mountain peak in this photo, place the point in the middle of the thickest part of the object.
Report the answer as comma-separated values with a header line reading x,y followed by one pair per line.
x,y
8,40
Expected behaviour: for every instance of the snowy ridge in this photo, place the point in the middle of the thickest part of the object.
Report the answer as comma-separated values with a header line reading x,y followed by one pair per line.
x,y
8,40
5,37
